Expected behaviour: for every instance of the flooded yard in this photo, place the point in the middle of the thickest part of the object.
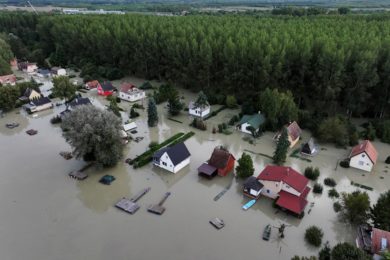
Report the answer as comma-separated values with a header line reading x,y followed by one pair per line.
x,y
47,215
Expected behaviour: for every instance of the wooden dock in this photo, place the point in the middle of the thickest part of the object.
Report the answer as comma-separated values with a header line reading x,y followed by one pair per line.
x,y
78,175
159,209
129,205
217,223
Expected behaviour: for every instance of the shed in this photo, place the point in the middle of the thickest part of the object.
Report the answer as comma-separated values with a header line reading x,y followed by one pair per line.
x,y
129,126
309,148
252,187
207,170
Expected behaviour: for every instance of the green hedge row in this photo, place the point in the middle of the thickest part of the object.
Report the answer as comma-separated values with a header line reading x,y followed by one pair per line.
x,y
214,113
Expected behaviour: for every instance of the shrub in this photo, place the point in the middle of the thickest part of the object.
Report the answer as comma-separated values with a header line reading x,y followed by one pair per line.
x,y
220,128
133,113
231,102
146,85
153,144
136,105
233,120
118,100
313,236
317,188
344,163
199,124
387,160
56,120
312,173
337,207
330,182
333,193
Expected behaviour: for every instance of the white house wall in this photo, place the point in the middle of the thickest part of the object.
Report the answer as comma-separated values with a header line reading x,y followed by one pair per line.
x,y
181,165
244,128
289,189
198,112
254,192
131,97
271,188
362,162
165,159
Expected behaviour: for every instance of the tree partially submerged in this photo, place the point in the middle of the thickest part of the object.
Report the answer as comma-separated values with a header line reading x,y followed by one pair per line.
x,y
380,212
63,88
355,207
346,251
94,135
282,147
201,100
174,103
245,168
152,113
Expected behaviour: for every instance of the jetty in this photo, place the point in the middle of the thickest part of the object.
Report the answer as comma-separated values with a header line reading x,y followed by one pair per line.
x,y
159,209
129,205
80,174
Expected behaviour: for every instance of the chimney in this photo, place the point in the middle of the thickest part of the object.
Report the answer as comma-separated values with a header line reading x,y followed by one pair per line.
x,y
288,171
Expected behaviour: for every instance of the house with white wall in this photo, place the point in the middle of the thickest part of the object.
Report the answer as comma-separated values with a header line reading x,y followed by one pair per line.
x,y
254,121
57,71
363,156
198,111
172,158
285,184
131,93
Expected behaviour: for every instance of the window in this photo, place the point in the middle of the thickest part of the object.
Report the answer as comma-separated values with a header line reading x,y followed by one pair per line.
x,y
268,191
361,163
363,155
164,163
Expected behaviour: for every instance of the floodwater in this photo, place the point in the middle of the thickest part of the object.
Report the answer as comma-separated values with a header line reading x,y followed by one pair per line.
x,y
47,215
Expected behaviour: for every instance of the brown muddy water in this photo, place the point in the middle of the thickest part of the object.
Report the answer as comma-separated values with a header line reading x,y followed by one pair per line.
x,y
47,215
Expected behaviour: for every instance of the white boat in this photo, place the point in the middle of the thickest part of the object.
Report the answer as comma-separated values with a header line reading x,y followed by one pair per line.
x,y
249,204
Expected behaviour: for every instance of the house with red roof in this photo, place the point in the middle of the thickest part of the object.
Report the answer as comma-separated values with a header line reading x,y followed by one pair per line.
x,y
221,162
27,67
92,84
105,89
131,93
363,156
373,240
294,133
287,186
8,79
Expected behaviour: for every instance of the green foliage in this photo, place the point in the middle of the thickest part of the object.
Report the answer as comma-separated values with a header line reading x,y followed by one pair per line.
x,y
314,235
387,161
133,113
214,113
317,188
304,258
332,193
281,148
8,96
386,255
146,85
201,100
199,124
278,107
231,101
94,134
355,207
325,252
174,103
63,88
344,163
312,173
384,131
346,251
163,93
370,132
337,207
333,130
380,212
56,120
152,113
5,57
234,120
113,106
330,182
343,10
153,144
244,169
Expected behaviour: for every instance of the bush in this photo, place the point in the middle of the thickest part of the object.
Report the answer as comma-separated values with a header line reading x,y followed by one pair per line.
x,y
317,188
138,106
312,173
333,193
337,207
146,85
118,100
233,120
387,160
56,120
133,113
330,182
199,124
231,102
313,236
344,163
153,144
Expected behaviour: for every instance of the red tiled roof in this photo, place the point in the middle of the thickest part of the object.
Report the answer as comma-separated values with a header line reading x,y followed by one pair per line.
x,y
294,130
366,147
286,174
291,202
11,78
92,84
220,158
125,87
376,240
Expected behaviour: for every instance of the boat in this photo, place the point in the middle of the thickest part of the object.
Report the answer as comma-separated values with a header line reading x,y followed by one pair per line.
x,y
267,232
249,204
12,125
217,223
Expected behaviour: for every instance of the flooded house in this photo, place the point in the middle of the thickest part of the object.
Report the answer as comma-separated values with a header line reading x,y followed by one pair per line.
x,y
373,240
131,93
105,89
287,186
172,158
363,156
252,187
221,162
27,67
78,101
43,73
251,122
198,111
294,133
92,84
57,71
309,148
129,126
30,94
38,104
8,80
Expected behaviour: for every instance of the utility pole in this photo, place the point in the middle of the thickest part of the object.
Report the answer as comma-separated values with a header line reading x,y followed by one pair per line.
x,y
35,11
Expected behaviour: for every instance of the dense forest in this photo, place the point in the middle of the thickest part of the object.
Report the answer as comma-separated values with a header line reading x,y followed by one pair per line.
x,y
330,63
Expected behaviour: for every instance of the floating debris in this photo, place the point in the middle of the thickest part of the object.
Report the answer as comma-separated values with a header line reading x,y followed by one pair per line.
x,y
31,132
107,179
66,155
78,175
130,205
12,125
217,223
267,232
159,209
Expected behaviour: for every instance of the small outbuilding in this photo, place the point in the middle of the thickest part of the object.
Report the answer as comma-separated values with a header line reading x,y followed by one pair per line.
x,y
8,80
252,187
309,148
27,67
43,73
172,158
294,133
249,122
131,93
129,126
363,156
221,162
92,84
57,71
30,94
105,89
198,111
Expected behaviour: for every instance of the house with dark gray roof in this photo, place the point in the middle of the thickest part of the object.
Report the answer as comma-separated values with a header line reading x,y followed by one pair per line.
x,y
249,122
38,104
172,158
253,187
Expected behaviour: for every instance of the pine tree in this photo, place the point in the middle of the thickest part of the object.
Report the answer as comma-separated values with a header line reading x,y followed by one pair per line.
x,y
152,113
245,168
174,104
282,147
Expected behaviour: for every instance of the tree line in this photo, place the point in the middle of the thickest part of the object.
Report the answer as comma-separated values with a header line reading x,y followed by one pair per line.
x,y
329,63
